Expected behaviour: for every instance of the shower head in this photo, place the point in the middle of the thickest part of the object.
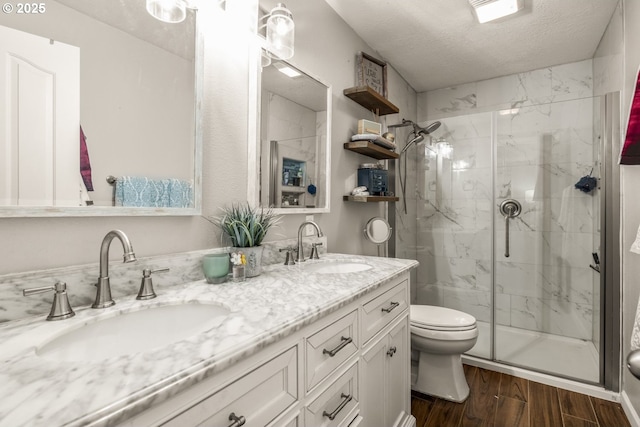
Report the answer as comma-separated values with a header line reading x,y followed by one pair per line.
x,y
401,125
426,130
417,138
417,129
418,132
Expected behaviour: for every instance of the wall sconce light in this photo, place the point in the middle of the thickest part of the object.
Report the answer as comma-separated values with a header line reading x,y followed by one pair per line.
x,y
170,11
280,32
489,10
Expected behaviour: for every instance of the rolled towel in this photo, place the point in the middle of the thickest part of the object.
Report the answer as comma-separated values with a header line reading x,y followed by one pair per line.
x,y
360,191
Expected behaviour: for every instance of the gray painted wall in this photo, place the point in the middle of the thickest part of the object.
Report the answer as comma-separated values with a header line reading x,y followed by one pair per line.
x,y
327,51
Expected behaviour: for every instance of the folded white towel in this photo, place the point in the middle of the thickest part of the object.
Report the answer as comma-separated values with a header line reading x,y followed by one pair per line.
x,y
376,139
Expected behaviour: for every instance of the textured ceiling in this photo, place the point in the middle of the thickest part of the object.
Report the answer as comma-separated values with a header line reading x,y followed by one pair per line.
x,y
131,17
439,43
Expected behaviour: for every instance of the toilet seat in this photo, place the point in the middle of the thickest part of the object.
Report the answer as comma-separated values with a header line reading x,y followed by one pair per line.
x,y
441,323
436,318
448,335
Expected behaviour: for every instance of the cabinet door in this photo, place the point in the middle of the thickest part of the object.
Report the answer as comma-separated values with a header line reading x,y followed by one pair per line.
x,y
372,390
385,387
398,374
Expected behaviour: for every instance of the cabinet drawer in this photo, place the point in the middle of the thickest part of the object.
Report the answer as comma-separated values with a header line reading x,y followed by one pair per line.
x,y
259,397
330,347
338,404
378,312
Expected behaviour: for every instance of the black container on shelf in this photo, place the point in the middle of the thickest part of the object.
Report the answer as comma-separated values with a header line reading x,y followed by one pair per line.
x,y
374,178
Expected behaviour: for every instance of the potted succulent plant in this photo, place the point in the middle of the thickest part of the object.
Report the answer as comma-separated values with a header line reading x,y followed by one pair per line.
x,y
247,227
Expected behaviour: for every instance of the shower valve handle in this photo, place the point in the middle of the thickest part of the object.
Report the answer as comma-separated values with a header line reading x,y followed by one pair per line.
x,y
509,208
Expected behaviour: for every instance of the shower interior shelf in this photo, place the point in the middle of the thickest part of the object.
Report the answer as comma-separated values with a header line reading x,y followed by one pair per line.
x,y
371,100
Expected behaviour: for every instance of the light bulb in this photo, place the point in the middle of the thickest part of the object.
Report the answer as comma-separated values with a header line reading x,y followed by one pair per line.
x,y
280,32
171,11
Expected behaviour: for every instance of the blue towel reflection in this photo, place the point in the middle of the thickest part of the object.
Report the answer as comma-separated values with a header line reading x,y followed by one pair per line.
x,y
140,191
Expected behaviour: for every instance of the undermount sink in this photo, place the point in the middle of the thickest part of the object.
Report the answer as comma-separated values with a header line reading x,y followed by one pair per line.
x,y
337,267
134,332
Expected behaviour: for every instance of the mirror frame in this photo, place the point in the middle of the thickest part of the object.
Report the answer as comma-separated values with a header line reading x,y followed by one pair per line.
x,y
254,154
98,211
368,233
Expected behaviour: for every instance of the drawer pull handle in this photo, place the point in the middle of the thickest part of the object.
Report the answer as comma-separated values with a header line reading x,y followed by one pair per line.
x,y
347,398
391,307
392,351
237,421
340,346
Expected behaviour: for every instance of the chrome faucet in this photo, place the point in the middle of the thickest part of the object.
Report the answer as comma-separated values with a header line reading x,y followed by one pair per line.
x,y
300,257
103,294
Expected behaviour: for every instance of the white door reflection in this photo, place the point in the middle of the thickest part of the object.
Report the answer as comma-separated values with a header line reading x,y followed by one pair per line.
x,y
40,95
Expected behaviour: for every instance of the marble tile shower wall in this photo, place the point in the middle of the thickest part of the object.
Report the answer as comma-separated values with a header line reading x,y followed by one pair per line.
x,y
544,144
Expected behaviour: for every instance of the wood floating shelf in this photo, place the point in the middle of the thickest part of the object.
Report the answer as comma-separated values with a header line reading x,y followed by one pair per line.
x,y
371,100
370,149
368,199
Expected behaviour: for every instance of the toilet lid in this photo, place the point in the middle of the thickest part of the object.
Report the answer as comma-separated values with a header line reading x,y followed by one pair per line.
x,y
434,317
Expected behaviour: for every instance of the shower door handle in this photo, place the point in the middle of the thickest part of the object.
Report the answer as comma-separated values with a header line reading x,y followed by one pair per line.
x,y
509,208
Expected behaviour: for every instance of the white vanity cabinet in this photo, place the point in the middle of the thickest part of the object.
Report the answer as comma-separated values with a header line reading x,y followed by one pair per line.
x,y
349,368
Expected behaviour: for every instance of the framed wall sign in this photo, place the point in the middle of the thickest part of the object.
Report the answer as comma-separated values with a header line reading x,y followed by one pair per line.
x,y
371,72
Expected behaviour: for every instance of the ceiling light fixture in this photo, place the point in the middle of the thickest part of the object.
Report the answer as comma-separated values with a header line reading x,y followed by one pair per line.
x,y
286,70
489,10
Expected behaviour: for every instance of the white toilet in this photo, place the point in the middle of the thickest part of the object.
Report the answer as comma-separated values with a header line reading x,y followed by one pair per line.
x,y
439,336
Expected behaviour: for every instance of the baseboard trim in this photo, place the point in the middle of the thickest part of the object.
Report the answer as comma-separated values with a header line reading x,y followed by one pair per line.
x,y
629,410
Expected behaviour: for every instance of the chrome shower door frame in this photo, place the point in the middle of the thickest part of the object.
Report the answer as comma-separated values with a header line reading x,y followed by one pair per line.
x,y
610,289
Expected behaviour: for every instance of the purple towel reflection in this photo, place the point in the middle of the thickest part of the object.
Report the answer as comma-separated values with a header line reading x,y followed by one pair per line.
x,y
85,163
631,150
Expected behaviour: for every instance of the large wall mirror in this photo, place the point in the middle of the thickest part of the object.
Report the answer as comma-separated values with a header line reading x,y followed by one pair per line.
x,y
102,90
293,140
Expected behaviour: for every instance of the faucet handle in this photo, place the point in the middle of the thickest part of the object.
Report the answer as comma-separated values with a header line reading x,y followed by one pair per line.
x,y
314,250
146,286
60,309
289,259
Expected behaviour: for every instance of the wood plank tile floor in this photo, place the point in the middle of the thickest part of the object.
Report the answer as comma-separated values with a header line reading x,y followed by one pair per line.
x,y
501,400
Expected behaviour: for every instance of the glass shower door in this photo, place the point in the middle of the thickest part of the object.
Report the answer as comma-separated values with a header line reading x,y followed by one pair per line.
x,y
546,285
454,221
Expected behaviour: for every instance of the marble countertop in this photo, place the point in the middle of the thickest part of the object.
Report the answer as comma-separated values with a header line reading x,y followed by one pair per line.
x,y
42,392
